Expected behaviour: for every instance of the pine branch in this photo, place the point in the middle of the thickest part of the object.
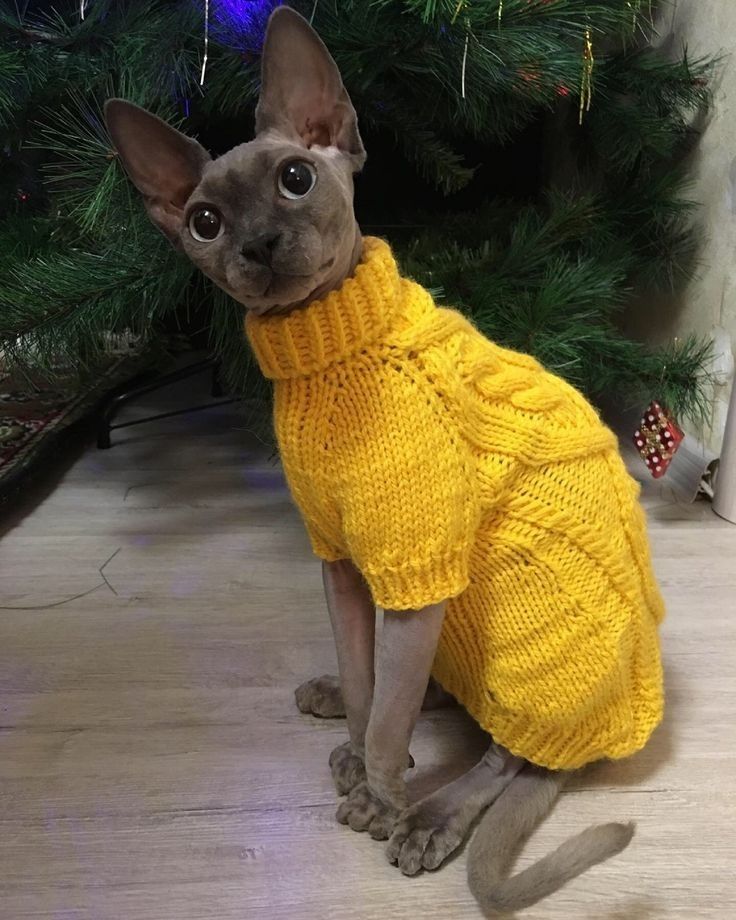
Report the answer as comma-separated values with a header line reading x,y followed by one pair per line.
x,y
549,276
608,16
550,283
647,103
62,301
435,159
89,184
11,76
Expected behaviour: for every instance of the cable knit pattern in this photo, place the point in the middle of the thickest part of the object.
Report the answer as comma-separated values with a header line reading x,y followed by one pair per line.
x,y
445,466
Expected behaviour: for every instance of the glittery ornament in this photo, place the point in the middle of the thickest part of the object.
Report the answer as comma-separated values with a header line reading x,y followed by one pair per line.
x,y
657,439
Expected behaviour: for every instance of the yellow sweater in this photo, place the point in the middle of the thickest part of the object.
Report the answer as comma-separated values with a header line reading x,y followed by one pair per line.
x,y
445,466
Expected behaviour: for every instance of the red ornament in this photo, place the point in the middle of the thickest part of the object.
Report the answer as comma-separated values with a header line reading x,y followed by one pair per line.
x,y
657,439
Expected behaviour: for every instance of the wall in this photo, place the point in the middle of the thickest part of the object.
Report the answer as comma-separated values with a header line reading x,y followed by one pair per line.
x,y
708,307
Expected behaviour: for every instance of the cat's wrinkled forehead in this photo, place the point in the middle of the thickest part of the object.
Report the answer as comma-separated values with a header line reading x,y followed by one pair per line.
x,y
246,169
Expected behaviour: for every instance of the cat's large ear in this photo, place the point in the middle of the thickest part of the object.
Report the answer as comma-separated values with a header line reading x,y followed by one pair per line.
x,y
163,164
302,94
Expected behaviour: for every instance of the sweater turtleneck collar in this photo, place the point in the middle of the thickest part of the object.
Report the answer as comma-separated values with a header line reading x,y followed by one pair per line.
x,y
343,322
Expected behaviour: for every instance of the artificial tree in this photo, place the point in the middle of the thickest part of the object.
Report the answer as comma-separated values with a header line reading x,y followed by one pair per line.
x,y
525,158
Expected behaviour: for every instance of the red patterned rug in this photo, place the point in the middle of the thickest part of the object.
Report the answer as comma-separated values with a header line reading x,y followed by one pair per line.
x,y
32,417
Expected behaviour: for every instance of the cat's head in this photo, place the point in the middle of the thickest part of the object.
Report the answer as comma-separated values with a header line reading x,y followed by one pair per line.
x,y
271,221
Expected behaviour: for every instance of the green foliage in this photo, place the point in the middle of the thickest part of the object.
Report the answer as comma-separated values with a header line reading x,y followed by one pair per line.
x,y
60,296
549,276
550,280
11,68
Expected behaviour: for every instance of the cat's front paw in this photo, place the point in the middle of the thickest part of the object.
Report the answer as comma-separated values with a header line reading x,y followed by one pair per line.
x,y
363,810
348,768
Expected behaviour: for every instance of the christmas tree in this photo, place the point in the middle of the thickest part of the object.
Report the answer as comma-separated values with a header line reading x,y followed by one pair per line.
x,y
525,159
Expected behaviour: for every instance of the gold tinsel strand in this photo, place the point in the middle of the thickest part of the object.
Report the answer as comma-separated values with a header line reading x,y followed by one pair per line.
x,y
635,7
586,84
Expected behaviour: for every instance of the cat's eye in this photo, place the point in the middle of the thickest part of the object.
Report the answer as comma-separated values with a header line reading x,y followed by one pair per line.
x,y
205,225
297,179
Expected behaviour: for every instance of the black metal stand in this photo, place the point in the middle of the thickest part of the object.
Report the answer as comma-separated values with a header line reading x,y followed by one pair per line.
x,y
115,404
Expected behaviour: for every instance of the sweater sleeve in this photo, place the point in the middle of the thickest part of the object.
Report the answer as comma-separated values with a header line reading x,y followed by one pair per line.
x,y
409,492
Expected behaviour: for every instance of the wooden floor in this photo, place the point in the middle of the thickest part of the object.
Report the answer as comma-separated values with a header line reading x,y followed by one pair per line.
x,y
159,606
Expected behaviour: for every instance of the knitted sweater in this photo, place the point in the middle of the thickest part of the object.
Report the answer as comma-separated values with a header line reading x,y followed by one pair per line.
x,y
445,466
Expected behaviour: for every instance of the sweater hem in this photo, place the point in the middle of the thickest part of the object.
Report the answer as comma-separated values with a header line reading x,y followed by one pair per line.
x,y
553,748
415,587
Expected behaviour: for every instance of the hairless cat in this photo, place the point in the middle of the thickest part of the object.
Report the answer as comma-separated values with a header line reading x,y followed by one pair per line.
x,y
272,223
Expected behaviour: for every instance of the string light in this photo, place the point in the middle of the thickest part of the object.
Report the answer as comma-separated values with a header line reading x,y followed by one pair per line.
x,y
206,40
465,61
241,24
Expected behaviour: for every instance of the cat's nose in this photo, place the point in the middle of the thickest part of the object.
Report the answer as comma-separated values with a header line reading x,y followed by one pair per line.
x,y
260,250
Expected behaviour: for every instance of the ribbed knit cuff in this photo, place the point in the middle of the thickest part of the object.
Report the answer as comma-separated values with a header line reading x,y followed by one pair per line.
x,y
416,585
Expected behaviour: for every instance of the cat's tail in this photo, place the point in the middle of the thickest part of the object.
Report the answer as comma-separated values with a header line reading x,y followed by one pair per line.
x,y
505,827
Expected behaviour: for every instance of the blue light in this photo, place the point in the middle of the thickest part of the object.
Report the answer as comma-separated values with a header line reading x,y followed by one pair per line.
x,y
241,24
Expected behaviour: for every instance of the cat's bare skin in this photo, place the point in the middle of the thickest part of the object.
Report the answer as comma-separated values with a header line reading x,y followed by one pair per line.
x,y
370,768
423,835
322,697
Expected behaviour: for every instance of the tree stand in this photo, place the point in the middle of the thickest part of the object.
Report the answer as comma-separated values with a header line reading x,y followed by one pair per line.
x,y
120,399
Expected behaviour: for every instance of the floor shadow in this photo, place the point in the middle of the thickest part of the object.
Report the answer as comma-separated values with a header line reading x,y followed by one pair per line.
x,y
44,478
634,909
